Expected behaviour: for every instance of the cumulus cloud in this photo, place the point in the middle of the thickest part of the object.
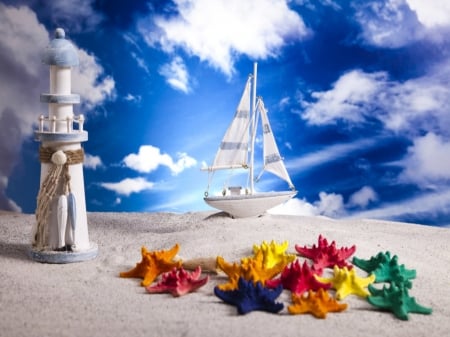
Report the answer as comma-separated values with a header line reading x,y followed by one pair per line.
x,y
427,161
92,162
329,204
75,15
128,186
390,23
398,23
149,158
90,82
23,38
418,103
176,75
218,31
363,197
432,13
352,94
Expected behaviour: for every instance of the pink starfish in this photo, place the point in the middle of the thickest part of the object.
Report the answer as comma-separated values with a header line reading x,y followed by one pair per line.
x,y
298,279
179,282
325,256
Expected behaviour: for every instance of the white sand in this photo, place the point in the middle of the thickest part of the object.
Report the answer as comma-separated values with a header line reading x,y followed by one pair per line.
x,y
89,299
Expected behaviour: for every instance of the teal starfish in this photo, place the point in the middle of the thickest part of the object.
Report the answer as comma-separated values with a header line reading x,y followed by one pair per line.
x,y
386,269
397,300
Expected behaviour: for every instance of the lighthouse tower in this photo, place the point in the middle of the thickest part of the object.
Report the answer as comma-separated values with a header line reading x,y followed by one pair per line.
x,y
60,234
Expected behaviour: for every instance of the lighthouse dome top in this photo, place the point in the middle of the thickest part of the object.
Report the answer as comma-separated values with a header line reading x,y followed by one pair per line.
x,y
60,52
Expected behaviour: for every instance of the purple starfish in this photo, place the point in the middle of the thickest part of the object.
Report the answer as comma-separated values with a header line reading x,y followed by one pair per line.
x,y
249,297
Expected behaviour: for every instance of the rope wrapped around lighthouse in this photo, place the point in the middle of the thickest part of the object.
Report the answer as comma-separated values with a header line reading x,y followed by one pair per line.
x,y
58,176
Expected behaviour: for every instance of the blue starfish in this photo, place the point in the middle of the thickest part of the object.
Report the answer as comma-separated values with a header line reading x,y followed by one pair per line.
x,y
249,297
397,300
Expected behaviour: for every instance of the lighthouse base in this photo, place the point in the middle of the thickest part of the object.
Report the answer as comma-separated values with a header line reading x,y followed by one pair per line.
x,y
51,256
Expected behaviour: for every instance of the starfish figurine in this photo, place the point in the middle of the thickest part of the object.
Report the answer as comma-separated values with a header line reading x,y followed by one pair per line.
x,y
274,253
317,303
346,282
250,296
298,279
179,282
397,300
326,255
153,264
386,269
251,269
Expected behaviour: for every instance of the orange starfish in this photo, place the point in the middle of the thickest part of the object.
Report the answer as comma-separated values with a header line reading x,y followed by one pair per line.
x,y
250,269
317,303
153,264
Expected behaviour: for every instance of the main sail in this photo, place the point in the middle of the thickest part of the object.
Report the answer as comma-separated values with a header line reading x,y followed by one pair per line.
x,y
233,150
272,160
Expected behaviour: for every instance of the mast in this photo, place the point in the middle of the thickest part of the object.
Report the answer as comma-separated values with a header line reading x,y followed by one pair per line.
x,y
253,135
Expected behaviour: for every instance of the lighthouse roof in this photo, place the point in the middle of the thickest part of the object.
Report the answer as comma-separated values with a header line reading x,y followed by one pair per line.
x,y
60,51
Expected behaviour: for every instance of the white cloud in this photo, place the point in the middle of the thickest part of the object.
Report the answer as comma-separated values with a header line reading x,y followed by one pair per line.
x,y
388,24
426,204
427,161
329,204
363,197
75,15
149,158
418,103
90,82
329,154
92,162
431,13
176,75
351,95
218,31
132,98
129,185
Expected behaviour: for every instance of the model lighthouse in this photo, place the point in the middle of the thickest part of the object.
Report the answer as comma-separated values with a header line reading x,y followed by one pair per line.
x,y
60,234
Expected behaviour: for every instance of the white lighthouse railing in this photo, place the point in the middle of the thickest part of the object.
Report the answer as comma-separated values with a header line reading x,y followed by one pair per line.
x,y
51,122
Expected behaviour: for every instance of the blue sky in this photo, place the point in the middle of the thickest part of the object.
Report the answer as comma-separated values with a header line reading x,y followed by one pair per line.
x,y
358,96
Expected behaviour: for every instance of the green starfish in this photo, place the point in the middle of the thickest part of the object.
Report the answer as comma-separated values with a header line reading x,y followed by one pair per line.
x,y
397,300
386,269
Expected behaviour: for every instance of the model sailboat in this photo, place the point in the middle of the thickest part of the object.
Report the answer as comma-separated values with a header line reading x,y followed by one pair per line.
x,y
237,151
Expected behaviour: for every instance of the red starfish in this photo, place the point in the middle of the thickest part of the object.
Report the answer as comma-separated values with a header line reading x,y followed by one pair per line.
x,y
179,282
298,279
324,255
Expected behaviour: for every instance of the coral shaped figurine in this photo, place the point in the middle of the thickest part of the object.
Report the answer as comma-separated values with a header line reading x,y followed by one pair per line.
x,y
251,296
153,264
273,253
298,279
179,282
250,269
317,303
347,282
386,269
397,300
326,255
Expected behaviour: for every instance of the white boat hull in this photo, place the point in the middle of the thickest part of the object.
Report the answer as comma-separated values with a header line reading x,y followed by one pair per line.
x,y
248,205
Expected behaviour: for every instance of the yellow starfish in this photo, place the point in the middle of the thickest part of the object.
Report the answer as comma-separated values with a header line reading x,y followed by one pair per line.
x,y
153,264
251,269
274,253
317,303
347,282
